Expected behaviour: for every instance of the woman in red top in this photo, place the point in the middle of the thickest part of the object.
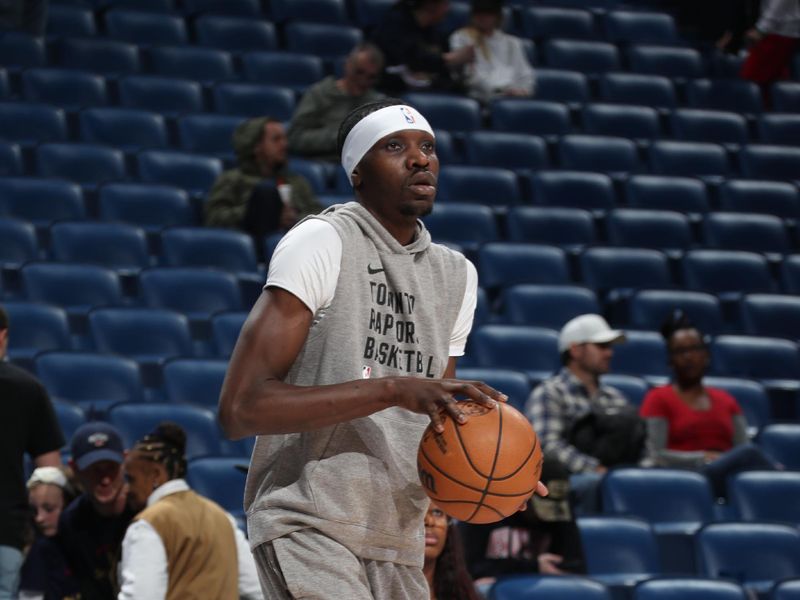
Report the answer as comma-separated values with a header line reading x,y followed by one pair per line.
x,y
693,426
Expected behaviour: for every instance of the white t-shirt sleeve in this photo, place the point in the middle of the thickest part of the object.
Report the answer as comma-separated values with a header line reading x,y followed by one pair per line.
x,y
306,263
463,324
143,569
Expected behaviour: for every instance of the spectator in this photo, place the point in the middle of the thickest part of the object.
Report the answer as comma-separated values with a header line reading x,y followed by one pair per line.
x,y
501,66
416,50
693,426
91,527
29,425
260,196
544,539
444,567
45,574
315,123
180,545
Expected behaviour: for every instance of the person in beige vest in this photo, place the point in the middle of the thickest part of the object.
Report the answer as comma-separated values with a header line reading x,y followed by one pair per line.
x,y
181,545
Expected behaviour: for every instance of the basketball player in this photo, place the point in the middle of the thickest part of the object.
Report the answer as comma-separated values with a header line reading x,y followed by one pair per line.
x,y
345,358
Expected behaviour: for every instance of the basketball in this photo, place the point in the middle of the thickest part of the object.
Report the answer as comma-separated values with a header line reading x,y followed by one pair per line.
x,y
483,470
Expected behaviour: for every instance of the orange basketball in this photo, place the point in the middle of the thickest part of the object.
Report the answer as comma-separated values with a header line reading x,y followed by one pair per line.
x,y
483,470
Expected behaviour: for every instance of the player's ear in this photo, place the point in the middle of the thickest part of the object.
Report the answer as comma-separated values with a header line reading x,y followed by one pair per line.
x,y
355,177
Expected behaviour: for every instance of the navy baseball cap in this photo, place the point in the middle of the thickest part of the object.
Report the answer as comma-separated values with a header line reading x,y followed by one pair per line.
x,y
94,442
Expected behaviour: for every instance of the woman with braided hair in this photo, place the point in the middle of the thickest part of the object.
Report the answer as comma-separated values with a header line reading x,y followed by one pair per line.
x,y
181,545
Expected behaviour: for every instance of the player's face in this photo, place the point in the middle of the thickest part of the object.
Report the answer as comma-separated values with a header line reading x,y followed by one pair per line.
x,y
103,480
398,176
47,502
435,532
688,355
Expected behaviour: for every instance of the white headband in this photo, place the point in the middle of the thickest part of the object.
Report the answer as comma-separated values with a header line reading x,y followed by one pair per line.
x,y
375,126
52,475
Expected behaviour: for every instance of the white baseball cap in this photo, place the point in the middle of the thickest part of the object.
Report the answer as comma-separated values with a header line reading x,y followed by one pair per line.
x,y
591,328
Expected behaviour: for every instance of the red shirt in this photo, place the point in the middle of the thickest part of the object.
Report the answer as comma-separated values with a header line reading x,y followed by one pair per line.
x,y
691,429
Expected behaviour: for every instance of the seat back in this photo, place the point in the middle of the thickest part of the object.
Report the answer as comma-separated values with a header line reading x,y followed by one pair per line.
x,y
140,332
598,153
661,229
774,315
479,185
505,264
195,292
570,228
235,33
755,357
635,550
717,271
165,95
64,88
112,245
573,189
195,381
548,306
41,201
668,61
513,384
220,479
778,198
191,172
635,88
660,192
81,163
701,125
606,269
531,587
151,207
691,588
643,353
205,247
766,496
752,232
73,286
782,442
649,308
532,350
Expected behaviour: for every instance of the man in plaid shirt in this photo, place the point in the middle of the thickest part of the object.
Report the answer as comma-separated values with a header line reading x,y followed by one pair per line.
x,y
586,347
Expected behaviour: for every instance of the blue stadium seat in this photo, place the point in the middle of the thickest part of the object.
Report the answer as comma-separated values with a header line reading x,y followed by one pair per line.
x,y
313,11
573,189
195,381
788,589
479,185
557,22
4,85
531,350
40,201
20,50
113,245
786,96
243,8
688,588
64,88
158,6
516,151
724,94
126,128
634,88
751,396
668,157
70,416
701,125
73,21
10,160
644,353
636,27
726,271
32,123
208,133
502,264
219,479
92,381
192,172
513,384
578,55
192,62
468,225
570,228
727,550
776,198
621,271
761,161
537,117
779,128
151,207
661,192
774,315
98,55
635,555
533,587
145,28
160,94
790,274
223,249
632,387
765,496
18,243
35,328
74,287
287,69
225,331
558,85
134,421
196,292
746,231
548,306
782,442
665,230
630,121
668,61
252,100
86,164
649,308
235,34
762,358
444,111
606,154
324,40
316,172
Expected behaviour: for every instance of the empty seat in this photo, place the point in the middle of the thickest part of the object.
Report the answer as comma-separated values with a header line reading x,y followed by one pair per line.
x,y
160,94
324,40
108,57
532,587
481,185
761,161
702,125
502,264
571,228
720,271
765,496
468,225
662,229
244,8
751,396
630,121
252,99
513,384
221,479
660,192
235,34
786,96
10,160
691,588
635,88
194,380
724,94
557,22
151,207
776,198
223,249
197,293
644,353
192,172
624,269
537,117
788,589
771,315
443,111
314,11
287,69
126,128
532,350
635,27
779,129
18,243
548,306
575,189
87,164
70,21
32,123
70,416
584,56
790,274
635,555
746,231
559,85
208,133
669,157
505,149
191,62
225,331
633,387
782,442
613,155
64,88
34,328
40,201
112,245
648,309
75,287
140,27
669,61
764,358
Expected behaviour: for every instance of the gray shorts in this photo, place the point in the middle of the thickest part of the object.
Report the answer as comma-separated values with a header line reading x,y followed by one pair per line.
x,y
308,564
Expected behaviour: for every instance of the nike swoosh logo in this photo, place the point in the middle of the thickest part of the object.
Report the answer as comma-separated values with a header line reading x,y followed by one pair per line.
x,y
372,271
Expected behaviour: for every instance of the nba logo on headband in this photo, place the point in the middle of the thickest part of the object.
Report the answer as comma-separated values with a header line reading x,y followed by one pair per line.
x,y
407,115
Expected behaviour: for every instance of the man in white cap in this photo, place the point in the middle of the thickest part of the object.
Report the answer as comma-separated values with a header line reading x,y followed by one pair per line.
x,y
346,357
